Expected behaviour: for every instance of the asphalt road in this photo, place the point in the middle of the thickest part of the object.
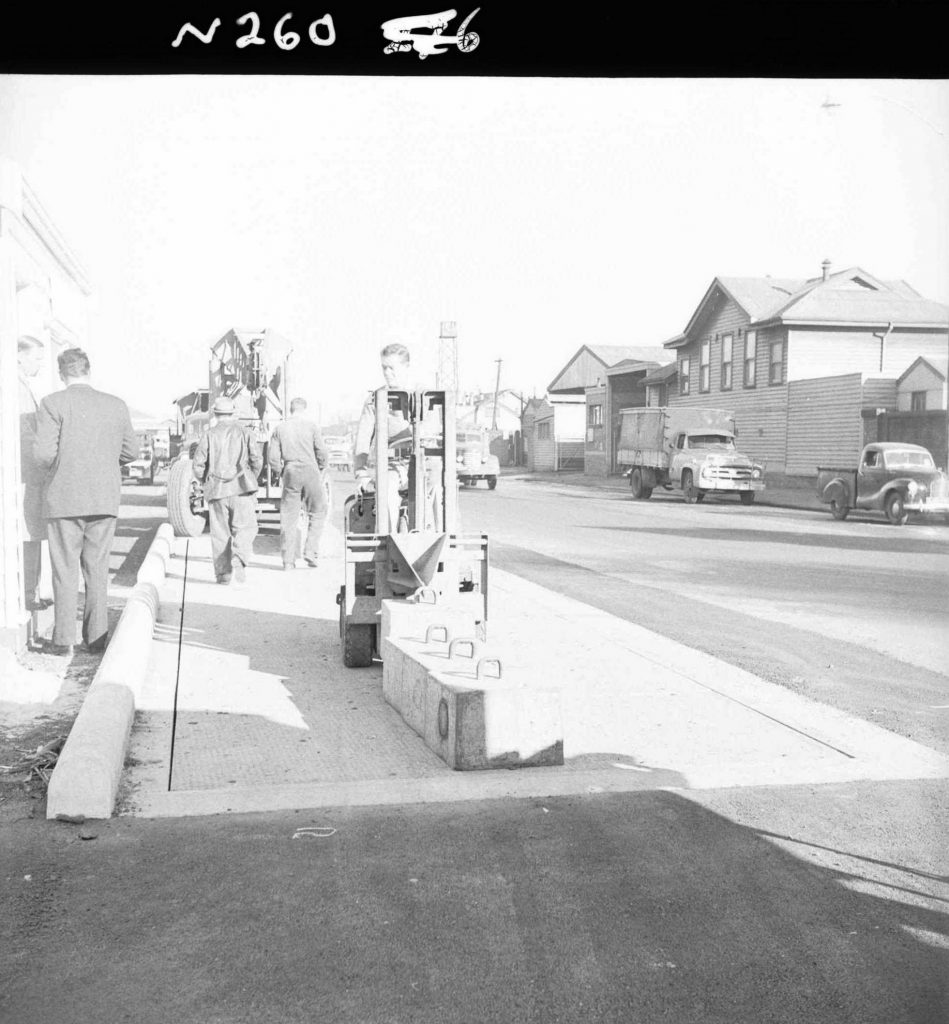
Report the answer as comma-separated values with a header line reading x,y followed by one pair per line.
x,y
825,904
854,614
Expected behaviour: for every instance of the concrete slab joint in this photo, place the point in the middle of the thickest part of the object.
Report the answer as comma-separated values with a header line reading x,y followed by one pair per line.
x,y
451,690
86,778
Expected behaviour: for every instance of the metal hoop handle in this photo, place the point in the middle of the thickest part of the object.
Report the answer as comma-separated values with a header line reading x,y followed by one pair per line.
x,y
426,595
484,662
431,629
470,642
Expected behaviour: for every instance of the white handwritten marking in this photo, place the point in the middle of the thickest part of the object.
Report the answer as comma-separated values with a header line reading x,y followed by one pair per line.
x,y
327,22
252,37
204,37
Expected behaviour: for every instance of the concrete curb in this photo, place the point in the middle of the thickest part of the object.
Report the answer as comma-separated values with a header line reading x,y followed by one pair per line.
x,y
86,778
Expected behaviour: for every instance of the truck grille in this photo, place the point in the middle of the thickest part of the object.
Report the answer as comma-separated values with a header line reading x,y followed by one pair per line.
x,y
728,472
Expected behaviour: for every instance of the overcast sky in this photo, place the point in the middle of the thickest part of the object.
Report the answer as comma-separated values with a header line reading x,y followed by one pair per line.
x,y
539,214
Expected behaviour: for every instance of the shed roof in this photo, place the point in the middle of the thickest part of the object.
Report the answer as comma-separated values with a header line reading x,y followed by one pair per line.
x,y
589,362
661,374
938,366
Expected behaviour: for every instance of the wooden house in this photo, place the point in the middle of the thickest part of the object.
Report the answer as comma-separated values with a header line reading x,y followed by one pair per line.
x,y
799,361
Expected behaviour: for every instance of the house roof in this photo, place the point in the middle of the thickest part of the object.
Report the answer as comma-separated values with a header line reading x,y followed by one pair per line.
x,y
632,366
661,374
610,355
573,376
938,366
850,296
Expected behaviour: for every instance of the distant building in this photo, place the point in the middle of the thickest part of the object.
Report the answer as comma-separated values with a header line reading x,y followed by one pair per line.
x,y
557,432
922,386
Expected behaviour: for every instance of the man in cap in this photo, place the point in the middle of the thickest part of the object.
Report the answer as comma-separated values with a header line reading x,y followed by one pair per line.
x,y
227,461
83,436
296,449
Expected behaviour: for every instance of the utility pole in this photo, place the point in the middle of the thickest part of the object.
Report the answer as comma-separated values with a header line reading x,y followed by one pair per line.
x,y
497,386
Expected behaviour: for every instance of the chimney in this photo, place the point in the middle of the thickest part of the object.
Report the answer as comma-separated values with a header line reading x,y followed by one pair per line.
x,y
825,270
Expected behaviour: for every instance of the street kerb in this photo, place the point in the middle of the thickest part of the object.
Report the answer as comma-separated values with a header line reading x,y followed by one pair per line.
x,y
86,778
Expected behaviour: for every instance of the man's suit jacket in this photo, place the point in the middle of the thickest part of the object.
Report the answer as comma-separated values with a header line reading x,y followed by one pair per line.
x,y
83,436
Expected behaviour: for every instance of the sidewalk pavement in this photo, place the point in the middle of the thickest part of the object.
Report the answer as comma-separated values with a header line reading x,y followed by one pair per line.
x,y
246,705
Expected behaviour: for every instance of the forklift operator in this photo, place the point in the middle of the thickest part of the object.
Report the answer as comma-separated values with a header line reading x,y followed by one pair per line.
x,y
395,370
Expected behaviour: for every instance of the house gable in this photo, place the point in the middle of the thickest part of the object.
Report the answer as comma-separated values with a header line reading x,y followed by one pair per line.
x,y
590,362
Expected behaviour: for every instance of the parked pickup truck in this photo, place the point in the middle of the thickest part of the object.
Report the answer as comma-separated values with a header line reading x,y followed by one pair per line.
x,y
892,477
687,447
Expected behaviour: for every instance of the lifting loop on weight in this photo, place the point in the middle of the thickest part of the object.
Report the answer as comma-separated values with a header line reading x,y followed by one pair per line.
x,y
431,629
470,642
484,662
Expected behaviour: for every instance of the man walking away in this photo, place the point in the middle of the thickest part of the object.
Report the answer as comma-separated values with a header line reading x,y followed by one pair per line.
x,y
227,461
296,449
83,436
29,352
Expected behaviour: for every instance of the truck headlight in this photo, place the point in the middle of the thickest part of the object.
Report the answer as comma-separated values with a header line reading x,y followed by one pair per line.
x,y
756,473
912,488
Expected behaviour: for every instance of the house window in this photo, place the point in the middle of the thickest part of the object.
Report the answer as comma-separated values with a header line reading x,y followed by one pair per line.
x,y
776,365
684,368
704,364
726,362
751,345
543,431
595,416
918,401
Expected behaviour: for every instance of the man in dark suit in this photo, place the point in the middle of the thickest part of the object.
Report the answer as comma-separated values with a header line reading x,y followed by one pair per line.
x,y
83,436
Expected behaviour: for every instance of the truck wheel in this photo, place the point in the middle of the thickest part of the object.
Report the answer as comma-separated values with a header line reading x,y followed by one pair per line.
x,y
492,482
893,507
747,497
359,641
689,490
636,484
184,520
839,510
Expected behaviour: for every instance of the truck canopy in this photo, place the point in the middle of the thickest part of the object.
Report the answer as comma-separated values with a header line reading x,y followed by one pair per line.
x,y
655,428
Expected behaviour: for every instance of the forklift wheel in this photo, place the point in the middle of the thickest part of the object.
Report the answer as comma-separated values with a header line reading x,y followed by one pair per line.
x,y
359,641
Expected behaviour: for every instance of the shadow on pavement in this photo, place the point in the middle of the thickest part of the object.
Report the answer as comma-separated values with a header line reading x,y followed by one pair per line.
x,y
606,908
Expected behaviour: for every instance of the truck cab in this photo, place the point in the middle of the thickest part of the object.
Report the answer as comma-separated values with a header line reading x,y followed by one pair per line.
x,y
709,460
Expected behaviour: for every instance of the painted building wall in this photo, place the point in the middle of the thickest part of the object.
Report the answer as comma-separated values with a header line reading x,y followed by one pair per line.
x,y
760,406
828,352
597,432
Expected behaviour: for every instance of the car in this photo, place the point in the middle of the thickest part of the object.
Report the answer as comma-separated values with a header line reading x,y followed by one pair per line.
x,y
339,453
474,461
144,468
892,477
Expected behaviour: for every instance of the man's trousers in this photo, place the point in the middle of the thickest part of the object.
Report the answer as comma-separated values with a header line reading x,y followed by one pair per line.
x,y
233,529
80,542
302,488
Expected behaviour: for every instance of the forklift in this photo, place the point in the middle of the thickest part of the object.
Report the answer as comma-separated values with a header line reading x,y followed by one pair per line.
x,y
423,556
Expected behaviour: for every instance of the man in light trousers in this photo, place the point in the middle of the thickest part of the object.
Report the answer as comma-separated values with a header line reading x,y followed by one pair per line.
x,y
296,449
